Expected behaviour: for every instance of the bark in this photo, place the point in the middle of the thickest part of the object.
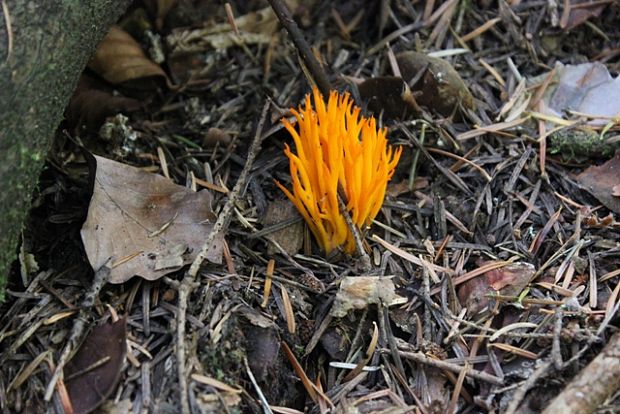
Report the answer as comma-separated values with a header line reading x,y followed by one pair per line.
x,y
44,45
593,385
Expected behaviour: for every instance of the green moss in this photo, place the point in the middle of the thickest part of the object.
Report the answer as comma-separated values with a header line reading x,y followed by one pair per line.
x,y
581,143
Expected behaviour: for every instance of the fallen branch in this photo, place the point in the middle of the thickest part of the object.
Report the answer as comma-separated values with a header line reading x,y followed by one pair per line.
x,y
313,65
423,359
593,385
188,283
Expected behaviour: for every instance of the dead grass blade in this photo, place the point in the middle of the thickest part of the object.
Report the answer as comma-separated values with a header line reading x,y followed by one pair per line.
x,y
613,298
542,234
267,287
494,128
477,272
408,256
481,29
457,389
25,373
369,353
308,385
212,382
515,350
288,311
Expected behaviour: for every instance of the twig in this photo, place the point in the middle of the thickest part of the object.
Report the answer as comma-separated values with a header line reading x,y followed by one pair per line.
x,y
79,327
9,30
423,359
320,78
593,385
261,396
284,14
519,394
365,263
556,352
187,284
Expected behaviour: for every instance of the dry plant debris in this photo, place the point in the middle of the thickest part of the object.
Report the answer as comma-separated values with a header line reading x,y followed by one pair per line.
x,y
93,372
119,59
143,223
492,278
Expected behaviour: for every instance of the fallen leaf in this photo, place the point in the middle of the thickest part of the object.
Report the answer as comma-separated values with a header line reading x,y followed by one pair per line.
x,y
439,87
163,7
387,95
291,237
93,372
91,103
509,280
580,12
603,182
144,223
263,347
216,136
120,59
587,88
395,189
357,292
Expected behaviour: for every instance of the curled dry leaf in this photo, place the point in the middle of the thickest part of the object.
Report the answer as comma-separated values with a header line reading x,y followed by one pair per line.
x,y
91,103
510,280
603,182
147,225
92,373
120,59
438,87
360,291
389,95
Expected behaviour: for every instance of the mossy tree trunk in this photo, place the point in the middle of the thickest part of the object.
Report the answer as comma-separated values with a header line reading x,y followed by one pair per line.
x,y
44,45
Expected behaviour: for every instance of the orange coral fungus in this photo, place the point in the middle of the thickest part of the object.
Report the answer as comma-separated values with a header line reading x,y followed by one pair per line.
x,y
337,148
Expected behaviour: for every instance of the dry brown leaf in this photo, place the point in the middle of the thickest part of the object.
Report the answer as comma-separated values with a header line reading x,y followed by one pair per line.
x,y
163,7
92,374
291,237
91,104
587,88
578,13
119,59
357,292
387,95
439,88
510,280
602,182
147,225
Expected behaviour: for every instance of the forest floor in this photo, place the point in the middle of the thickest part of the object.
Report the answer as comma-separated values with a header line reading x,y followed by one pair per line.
x,y
494,262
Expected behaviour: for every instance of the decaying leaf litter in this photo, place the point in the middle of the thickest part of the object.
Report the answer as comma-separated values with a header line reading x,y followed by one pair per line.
x,y
493,264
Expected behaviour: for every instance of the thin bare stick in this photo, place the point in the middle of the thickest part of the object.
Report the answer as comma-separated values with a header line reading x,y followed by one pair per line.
x,y
79,327
423,359
188,284
527,385
593,384
284,14
365,262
